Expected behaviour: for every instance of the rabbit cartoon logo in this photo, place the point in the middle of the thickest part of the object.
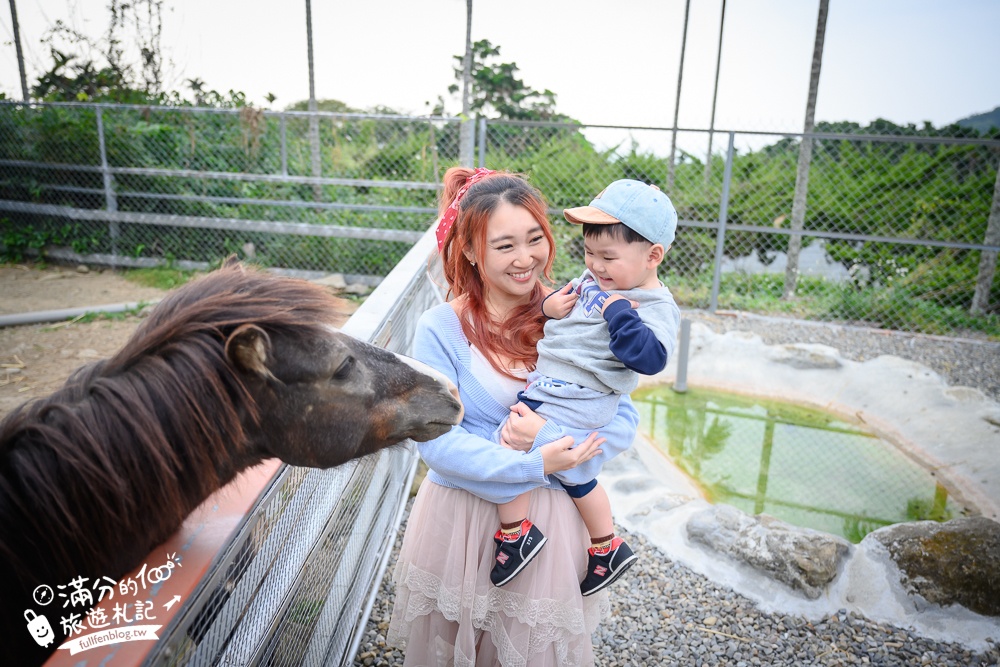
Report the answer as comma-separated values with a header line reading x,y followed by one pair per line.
x,y
39,628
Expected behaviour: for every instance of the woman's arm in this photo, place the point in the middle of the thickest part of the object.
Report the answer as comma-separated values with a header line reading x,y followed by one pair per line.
x,y
619,435
465,459
476,464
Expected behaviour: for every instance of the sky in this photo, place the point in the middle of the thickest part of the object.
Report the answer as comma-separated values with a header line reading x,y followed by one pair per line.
x,y
908,61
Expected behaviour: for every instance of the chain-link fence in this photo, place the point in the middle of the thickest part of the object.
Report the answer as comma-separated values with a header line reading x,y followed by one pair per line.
x,y
897,232
887,231
137,186
296,583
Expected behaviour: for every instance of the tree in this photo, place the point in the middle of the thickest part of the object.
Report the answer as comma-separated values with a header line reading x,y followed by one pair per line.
x,y
805,156
20,54
497,90
145,19
72,79
84,68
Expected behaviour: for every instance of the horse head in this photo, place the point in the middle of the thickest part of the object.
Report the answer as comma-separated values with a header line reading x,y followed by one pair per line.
x,y
327,400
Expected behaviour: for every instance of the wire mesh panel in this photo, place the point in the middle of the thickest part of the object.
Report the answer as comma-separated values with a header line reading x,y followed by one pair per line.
x,y
897,232
897,229
186,186
295,584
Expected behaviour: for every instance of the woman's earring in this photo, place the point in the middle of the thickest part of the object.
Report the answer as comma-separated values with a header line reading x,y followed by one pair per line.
x,y
472,262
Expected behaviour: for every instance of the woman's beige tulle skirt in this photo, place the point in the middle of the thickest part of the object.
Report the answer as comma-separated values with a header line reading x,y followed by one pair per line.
x,y
446,610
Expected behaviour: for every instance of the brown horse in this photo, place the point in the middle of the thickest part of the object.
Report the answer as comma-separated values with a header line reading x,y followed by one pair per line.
x,y
233,368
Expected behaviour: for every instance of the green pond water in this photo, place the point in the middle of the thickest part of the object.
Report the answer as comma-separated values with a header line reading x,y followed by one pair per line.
x,y
805,467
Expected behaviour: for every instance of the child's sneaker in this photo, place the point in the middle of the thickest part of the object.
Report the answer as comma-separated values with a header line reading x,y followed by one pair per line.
x,y
512,556
603,569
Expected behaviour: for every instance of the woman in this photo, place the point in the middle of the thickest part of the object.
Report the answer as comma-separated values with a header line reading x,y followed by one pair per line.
x,y
496,246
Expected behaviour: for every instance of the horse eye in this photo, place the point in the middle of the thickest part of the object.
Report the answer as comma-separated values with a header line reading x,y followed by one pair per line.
x,y
344,369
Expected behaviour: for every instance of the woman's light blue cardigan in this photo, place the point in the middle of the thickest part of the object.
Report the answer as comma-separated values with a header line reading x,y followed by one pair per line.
x,y
466,457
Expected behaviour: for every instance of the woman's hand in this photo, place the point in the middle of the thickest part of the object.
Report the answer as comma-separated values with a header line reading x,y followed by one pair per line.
x,y
559,304
521,427
561,455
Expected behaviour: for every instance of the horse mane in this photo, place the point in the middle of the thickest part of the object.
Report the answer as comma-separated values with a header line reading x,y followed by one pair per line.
x,y
115,459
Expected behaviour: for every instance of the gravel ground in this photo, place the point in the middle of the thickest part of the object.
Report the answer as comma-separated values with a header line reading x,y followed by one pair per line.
x,y
665,614
662,613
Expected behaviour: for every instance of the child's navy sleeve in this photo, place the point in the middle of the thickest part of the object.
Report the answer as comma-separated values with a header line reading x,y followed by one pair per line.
x,y
632,342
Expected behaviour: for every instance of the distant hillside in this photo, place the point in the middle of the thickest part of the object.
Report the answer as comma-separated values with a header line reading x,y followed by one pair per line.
x,y
982,122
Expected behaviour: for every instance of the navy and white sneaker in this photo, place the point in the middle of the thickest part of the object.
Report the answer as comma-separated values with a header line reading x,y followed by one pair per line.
x,y
603,569
512,556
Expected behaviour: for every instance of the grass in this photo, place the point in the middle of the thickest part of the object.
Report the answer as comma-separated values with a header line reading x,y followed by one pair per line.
x,y
87,318
826,301
115,316
160,277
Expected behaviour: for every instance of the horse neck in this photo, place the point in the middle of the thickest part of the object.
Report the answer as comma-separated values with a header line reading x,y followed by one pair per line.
x,y
96,481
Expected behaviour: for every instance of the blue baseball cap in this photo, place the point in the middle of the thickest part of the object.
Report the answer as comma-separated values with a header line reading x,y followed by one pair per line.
x,y
643,208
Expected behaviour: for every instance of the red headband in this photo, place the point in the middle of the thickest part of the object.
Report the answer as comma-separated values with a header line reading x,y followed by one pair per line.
x,y
451,213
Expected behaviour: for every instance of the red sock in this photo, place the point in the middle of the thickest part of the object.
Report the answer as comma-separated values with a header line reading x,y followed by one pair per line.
x,y
510,531
601,545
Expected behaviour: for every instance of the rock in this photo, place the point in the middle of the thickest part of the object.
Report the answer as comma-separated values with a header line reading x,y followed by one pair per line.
x,y
334,280
637,483
663,504
965,394
82,268
805,356
956,562
804,559
357,288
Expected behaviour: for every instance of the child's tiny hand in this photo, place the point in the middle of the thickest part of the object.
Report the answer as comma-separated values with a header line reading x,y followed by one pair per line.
x,y
521,427
617,297
559,304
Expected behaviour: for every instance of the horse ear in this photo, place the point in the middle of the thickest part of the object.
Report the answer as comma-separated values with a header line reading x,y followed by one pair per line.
x,y
231,261
248,348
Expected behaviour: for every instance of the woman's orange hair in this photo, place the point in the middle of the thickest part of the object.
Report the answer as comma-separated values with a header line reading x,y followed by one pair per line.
x,y
517,335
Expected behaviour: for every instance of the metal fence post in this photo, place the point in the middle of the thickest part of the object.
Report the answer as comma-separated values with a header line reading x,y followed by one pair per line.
x,y
284,145
681,381
466,142
110,198
482,142
720,237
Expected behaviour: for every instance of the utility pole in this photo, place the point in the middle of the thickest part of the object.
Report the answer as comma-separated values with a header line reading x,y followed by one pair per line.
x,y
317,169
677,103
20,54
715,95
465,147
805,157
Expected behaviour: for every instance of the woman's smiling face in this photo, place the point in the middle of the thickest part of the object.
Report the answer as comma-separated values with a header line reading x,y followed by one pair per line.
x,y
515,255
